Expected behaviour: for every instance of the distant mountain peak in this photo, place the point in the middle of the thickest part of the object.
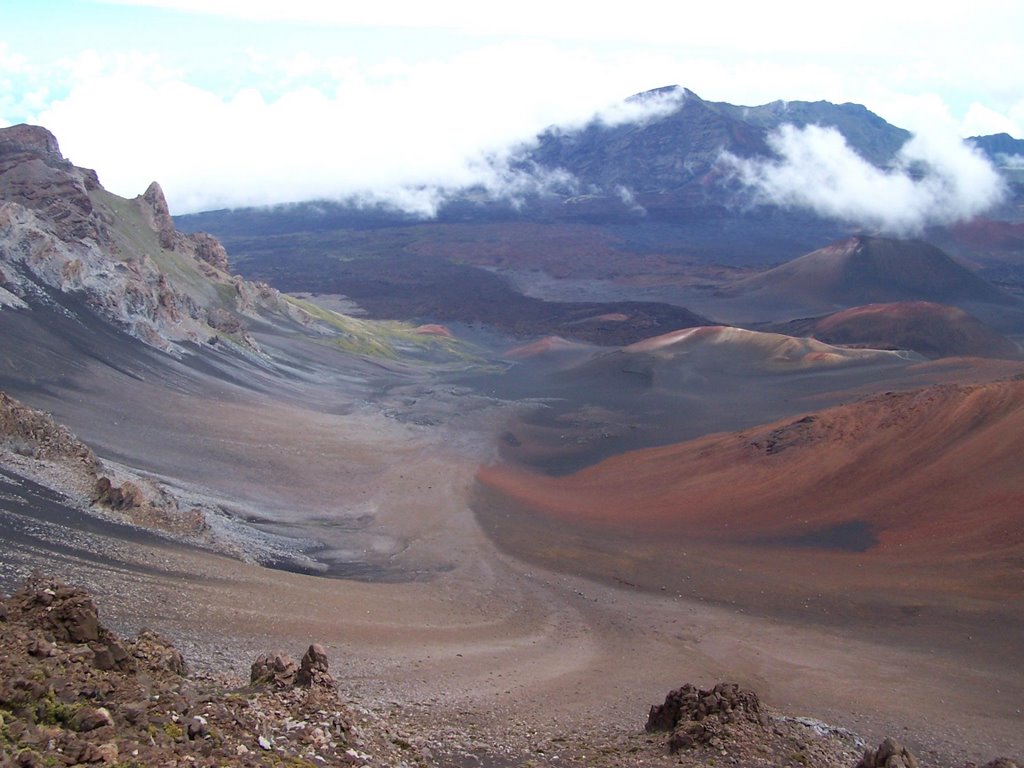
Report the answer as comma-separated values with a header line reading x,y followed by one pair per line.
x,y
665,90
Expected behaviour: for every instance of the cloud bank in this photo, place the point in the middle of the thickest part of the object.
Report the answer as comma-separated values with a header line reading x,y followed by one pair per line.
x,y
258,102
398,135
935,179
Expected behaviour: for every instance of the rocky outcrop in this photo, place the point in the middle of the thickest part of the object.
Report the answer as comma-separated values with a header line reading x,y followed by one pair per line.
x,y
201,246
73,693
209,250
726,701
696,716
159,215
890,754
119,498
29,138
731,724
129,290
34,173
62,614
278,669
60,231
34,433
313,669
155,652
61,461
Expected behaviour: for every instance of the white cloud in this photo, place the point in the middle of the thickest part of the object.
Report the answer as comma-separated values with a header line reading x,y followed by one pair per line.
x,y
937,179
406,95
644,107
983,121
398,132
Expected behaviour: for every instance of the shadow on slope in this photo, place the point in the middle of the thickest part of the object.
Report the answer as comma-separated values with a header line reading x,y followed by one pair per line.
x,y
589,406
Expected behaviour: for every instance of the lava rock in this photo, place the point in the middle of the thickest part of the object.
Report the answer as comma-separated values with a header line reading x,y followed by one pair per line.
x,y
890,754
156,653
313,670
727,701
89,719
275,668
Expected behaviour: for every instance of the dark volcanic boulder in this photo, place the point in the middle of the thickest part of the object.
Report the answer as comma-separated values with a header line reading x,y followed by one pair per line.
x,y
699,717
890,754
275,668
726,701
313,669
66,613
156,653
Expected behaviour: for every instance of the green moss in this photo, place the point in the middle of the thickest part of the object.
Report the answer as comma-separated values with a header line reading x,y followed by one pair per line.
x,y
5,734
174,731
52,711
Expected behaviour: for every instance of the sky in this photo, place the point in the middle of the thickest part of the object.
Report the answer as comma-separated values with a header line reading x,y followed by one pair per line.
x,y
247,102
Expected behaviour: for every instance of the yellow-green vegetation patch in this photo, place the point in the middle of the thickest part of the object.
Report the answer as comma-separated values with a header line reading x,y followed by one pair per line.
x,y
174,731
52,711
386,339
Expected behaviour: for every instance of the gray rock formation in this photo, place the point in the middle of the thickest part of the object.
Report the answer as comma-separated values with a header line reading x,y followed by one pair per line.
x,y
60,230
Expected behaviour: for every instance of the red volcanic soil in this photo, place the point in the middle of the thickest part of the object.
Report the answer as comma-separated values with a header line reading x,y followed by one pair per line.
x,y
433,329
934,330
549,345
752,349
932,473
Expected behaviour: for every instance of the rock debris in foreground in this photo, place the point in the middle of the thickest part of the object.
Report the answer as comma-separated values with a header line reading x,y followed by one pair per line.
x,y
73,693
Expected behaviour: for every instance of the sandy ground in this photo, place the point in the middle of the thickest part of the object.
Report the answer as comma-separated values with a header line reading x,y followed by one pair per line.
x,y
514,653
472,641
